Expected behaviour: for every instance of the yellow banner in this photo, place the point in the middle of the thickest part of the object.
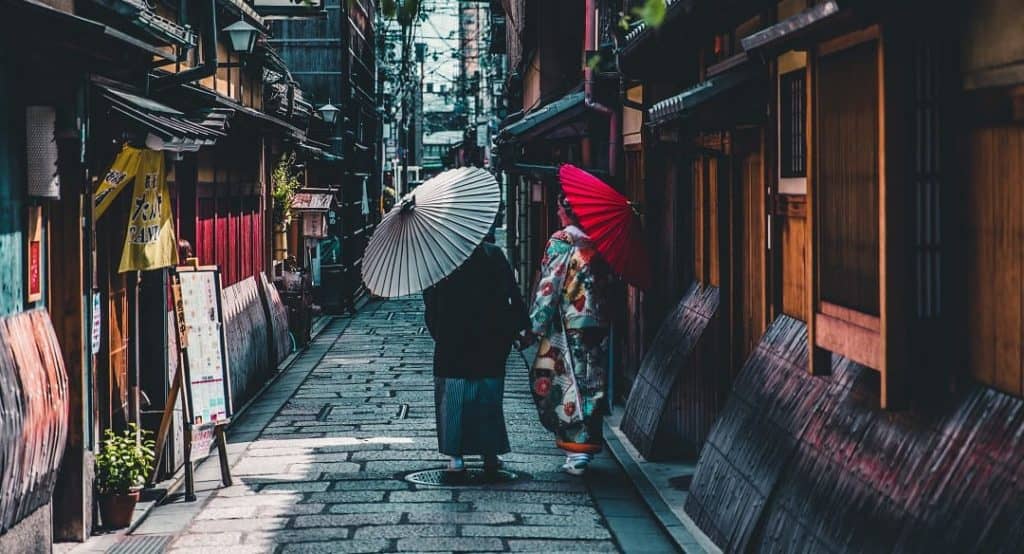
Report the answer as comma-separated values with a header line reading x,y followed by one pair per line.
x,y
150,243
124,168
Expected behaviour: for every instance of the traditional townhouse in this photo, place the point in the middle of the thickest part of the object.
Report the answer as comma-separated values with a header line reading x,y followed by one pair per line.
x,y
558,113
196,87
830,190
334,59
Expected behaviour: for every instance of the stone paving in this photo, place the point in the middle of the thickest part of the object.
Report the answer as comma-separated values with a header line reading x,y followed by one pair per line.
x,y
321,470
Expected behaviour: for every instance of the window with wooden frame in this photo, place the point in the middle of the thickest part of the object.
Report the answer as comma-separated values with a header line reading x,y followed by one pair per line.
x,y
846,190
847,183
792,109
788,219
792,125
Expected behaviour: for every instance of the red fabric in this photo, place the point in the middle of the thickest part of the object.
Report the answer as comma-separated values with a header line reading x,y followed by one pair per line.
x,y
609,219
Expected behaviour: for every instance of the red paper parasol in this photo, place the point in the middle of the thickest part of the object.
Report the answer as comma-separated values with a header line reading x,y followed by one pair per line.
x,y
612,222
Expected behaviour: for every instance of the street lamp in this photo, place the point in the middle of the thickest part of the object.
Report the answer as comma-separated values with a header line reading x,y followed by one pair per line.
x,y
329,112
243,36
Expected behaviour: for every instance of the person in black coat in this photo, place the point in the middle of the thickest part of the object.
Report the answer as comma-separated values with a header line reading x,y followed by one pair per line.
x,y
474,316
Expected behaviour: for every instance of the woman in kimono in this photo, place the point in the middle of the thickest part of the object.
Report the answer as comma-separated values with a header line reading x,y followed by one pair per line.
x,y
474,315
568,315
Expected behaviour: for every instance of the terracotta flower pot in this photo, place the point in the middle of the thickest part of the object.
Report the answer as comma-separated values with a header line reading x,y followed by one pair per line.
x,y
116,509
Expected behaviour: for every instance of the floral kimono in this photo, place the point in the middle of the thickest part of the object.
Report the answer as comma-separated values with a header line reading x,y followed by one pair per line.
x,y
569,374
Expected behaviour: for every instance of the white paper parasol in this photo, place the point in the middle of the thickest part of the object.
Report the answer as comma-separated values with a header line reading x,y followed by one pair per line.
x,y
430,232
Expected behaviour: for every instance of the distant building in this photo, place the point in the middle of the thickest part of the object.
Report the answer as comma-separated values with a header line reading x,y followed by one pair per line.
x,y
435,146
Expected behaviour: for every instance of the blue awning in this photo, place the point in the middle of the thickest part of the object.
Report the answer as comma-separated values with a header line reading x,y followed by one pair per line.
x,y
544,119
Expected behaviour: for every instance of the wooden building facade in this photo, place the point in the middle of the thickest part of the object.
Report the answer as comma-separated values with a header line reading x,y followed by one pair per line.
x,y
334,60
83,79
554,116
830,193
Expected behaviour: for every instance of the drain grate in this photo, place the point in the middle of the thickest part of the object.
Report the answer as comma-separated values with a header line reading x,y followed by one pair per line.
x,y
141,544
471,477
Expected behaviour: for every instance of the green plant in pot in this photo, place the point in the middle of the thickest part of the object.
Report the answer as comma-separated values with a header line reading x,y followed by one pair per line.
x,y
285,183
122,466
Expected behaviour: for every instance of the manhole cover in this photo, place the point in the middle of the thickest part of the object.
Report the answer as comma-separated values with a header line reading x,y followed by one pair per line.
x,y
472,476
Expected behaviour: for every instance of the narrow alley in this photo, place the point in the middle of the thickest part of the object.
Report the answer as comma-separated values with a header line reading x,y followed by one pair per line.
x,y
319,461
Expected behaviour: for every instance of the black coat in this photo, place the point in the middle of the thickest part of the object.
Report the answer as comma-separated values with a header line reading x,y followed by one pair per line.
x,y
474,315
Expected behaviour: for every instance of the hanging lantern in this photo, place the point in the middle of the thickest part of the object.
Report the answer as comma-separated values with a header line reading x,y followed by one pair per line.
x,y
329,112
243,36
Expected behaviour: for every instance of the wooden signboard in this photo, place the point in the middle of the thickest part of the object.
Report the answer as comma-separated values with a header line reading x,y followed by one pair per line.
x,y
203,368
201,336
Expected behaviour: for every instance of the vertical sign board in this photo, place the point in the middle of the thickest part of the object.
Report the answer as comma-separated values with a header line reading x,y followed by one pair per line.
x,y
97,323
34,267
207,379
204,374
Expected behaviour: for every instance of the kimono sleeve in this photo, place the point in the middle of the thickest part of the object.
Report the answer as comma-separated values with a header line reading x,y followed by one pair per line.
x,y
549,288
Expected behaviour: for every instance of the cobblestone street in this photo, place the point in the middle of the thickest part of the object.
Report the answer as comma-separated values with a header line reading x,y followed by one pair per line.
x,y
319,461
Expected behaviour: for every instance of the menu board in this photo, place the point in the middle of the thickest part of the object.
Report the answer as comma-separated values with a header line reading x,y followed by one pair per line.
x,y
201,336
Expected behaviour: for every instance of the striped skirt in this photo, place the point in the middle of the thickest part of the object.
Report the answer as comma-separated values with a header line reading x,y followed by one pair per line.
x,y
470,420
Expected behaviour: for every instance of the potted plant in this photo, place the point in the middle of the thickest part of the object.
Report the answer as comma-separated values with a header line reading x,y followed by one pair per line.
x,y
121,469
285,183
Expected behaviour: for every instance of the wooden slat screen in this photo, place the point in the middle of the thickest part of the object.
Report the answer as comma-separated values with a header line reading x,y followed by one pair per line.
x,y
277,317
247,333
798,463
995,260
749,257
34,404
792,122
847,179
669,373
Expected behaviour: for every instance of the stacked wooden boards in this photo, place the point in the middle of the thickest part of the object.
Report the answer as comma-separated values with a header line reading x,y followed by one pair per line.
x,y
33,414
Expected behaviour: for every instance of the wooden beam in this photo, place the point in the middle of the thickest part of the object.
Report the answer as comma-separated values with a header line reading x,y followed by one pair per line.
x,y
849,40
72,497
853,317
861,345
883,215
819,362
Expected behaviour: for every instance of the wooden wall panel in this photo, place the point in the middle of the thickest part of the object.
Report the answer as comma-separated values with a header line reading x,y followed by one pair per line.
x,y
750,250
792,242
712,215
112,361
634,316
699,223
847,177
995,276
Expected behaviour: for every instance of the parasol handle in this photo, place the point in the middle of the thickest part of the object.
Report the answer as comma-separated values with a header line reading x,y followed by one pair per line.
x,y
635,207
408,203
